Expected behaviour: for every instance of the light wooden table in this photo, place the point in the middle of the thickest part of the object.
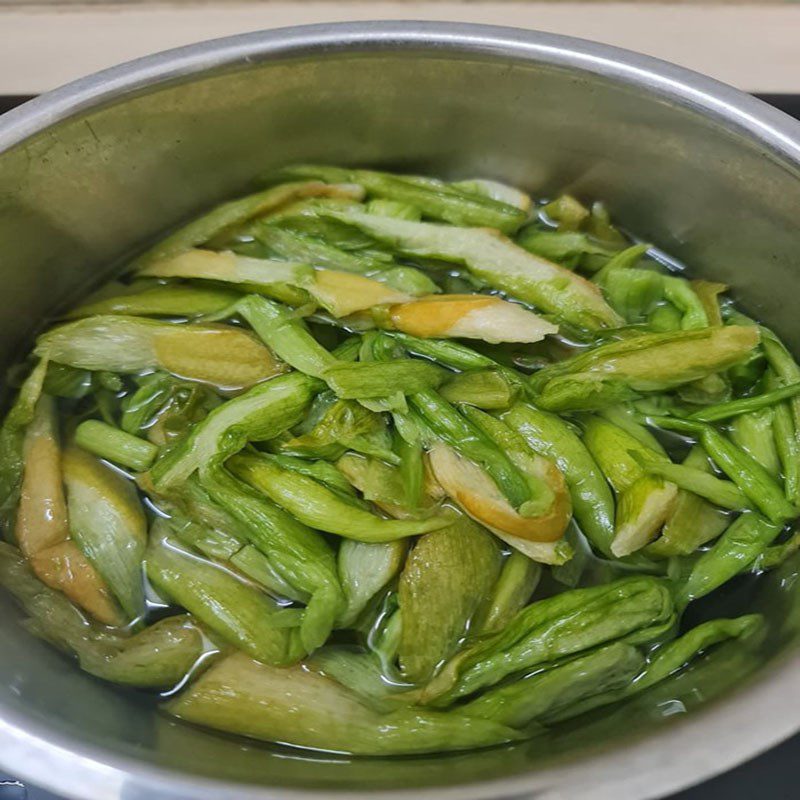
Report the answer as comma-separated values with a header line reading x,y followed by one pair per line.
x,y
753,45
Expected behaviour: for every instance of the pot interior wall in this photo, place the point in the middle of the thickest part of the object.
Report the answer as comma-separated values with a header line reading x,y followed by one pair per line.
x,y
75,198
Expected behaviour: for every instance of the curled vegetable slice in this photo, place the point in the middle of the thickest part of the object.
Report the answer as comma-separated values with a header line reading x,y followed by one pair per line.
x,y
478,495
550,436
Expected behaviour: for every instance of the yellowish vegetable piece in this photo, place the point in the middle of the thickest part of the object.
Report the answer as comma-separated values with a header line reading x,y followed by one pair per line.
x,y
42,510
478,495
226,356
107,521
220,355
344,293
469,316
64,567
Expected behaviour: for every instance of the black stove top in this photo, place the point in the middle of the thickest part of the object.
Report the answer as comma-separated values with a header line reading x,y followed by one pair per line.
x,y
772,776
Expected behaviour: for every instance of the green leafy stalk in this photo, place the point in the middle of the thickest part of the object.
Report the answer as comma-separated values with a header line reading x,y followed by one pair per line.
x,y
733,553
260,414
237,611
316,505
516,584
115,445
592,501
620,370
693,521
375,379
433,198
286,335
745,405
755,482
299,555
787,443
235,212
635,610
725,494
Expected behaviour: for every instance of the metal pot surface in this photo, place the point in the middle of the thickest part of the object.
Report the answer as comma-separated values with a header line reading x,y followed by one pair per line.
x,y
702,170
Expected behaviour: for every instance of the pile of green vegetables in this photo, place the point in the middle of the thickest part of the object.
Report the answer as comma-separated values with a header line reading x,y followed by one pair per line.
x,y
381,464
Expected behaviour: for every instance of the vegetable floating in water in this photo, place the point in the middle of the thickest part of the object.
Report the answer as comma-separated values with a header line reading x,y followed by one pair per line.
x,y
385,465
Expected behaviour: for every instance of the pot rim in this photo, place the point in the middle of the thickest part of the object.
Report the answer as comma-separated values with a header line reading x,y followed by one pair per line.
x,y
708,741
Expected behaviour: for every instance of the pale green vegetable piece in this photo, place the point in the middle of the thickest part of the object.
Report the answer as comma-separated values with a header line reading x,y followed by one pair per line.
x,y
222,355
107,521
642,509
364,569
316,505
12,437
620,455
538,697
693,521
306,709
158,657
446,578
235,212
754,433
516,583
162,301
238,612
650,362
497,261
488,389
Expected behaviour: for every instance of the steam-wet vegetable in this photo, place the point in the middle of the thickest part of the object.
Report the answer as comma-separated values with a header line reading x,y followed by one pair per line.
x,y
387,465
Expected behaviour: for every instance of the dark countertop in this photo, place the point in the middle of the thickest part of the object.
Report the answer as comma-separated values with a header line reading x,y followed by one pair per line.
x,y
772,776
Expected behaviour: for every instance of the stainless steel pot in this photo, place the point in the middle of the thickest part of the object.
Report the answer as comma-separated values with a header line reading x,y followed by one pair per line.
x,y
701,169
